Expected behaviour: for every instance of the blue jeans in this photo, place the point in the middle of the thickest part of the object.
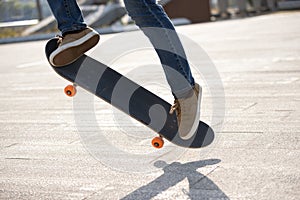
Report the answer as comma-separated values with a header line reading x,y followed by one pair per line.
x,y
156,25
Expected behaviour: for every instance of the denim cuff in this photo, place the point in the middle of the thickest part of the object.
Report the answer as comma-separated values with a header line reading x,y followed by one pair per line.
x,y
73,29
184,93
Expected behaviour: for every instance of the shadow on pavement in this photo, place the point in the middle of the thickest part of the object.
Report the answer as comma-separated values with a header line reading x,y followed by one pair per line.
x,y
200,186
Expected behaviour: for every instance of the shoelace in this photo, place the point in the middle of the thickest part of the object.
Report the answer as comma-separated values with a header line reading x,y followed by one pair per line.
x,y
59,41
174,107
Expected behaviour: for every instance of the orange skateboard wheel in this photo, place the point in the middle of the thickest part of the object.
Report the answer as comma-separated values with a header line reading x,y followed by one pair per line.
x,y
70,90
158,142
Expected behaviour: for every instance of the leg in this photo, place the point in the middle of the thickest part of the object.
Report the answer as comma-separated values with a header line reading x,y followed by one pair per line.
x,y
68,15
156,25
153,21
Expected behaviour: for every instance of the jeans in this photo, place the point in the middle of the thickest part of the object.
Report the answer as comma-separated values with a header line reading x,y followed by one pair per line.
x,y
67,14
155,24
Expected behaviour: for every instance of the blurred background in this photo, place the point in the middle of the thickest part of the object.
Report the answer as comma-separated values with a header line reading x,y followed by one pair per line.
x,y
21,18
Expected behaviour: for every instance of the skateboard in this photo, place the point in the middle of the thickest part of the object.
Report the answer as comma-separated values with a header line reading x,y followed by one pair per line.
x,y
129,97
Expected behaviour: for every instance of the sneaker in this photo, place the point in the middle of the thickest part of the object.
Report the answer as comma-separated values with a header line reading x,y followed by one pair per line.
x,y
188,113
74,45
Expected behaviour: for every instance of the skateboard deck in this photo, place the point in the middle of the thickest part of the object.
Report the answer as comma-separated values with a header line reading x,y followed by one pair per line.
x,y
129,97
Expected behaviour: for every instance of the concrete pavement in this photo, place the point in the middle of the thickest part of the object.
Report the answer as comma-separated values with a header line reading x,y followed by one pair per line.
x,y
255,156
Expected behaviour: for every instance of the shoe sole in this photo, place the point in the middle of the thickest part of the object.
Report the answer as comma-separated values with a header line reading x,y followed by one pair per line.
x,y
72,51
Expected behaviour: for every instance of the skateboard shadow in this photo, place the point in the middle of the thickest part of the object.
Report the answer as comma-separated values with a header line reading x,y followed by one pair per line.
x,y
200,186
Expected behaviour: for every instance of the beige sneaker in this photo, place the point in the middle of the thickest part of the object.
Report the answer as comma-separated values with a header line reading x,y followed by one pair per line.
x,y
188,113
74,45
